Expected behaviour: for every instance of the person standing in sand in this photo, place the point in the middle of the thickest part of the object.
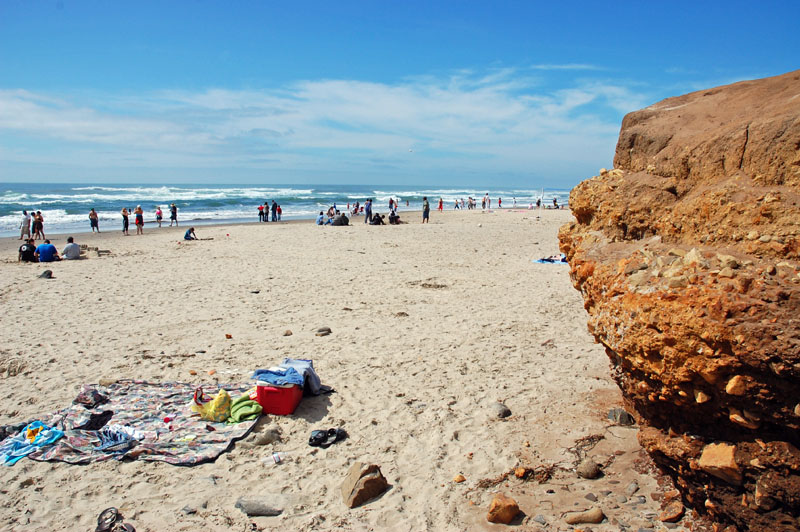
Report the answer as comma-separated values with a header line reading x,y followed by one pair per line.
x,y
94,221
25,226
441,205
159,215
139,220
426,210
173,215
124,220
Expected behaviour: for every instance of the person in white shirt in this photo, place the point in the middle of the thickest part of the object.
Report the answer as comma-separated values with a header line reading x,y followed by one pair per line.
x,y
25,226
71,251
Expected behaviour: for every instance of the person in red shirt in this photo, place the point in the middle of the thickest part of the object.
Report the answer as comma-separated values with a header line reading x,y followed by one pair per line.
x,y
279,210
260,213
441,205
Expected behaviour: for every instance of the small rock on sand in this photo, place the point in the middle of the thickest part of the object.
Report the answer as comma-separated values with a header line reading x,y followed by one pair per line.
x,y
595,515
258,507
499,410
502,510
323,331
287,332
588,469
672,513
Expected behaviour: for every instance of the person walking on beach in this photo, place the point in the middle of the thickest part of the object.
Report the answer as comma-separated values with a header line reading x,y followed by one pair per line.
x,y
25,226
139,220
441,205
368,211
499,203
159,215
173,215
426,210
124,221
274,209
94,221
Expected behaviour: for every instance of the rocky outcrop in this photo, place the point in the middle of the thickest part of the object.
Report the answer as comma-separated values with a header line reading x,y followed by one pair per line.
x,y
687,255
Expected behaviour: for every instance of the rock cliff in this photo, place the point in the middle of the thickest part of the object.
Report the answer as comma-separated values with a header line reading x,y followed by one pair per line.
x,y
687,255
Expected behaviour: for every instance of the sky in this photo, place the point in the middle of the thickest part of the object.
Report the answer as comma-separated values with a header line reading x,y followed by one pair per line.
x,y
521,93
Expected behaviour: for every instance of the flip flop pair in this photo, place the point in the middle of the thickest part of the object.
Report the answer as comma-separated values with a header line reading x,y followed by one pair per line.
x,y
326,438
110,520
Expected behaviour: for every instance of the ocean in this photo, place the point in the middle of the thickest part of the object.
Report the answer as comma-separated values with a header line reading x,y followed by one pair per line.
x,y
65,207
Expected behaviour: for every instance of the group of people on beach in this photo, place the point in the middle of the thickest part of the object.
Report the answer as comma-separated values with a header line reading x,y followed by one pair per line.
x,y
47,252
265,210
32,222
138,214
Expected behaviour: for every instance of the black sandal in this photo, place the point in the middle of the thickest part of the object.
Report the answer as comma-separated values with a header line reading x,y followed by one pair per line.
x,y
106,519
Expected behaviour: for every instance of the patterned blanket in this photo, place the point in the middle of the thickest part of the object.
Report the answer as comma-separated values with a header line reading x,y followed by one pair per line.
x,y
142,408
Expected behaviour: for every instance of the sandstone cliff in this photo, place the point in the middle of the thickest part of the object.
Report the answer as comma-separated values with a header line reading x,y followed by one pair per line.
x,y
687,255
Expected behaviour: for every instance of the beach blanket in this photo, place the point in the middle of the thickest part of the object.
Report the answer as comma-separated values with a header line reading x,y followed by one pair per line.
x,y
157,418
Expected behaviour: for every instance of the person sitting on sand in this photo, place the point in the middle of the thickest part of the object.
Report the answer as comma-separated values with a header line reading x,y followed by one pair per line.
x,y
377,219
394,218
71,251
27,251
46,252
340,219
190,234
321,218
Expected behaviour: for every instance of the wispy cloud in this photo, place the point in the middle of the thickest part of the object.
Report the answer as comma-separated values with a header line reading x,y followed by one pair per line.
x,y
495,122
566,66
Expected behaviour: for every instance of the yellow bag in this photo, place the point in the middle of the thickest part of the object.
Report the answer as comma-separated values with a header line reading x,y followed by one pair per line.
x,y
218,409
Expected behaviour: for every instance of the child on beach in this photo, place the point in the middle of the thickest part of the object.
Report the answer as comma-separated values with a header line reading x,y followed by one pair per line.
x,y
159,215
189,235
173,215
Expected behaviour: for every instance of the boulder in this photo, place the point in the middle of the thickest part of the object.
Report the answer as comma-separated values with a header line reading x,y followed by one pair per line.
x,y
704,343
362,483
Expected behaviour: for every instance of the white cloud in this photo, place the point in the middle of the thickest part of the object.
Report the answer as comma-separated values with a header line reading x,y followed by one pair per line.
x,y
496,122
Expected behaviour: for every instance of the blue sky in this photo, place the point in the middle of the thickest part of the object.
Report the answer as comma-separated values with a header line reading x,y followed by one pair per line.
x,y
472,93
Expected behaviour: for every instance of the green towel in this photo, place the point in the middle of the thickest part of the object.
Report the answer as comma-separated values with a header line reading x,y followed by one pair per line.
x,y
244,409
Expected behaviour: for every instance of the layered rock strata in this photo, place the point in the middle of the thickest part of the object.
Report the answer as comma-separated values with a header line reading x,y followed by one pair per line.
x,y
687,255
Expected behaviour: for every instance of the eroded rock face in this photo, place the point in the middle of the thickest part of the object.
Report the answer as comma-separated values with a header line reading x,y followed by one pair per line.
x,y
687,255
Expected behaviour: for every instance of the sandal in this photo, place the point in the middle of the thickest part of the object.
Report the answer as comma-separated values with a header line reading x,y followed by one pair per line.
x,y
317,438
332,436
106,519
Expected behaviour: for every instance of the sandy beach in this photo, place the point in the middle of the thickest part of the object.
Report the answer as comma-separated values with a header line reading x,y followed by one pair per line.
x,y
431,325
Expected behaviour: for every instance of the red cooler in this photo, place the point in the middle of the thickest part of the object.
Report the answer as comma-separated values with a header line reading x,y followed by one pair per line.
x,y
278,401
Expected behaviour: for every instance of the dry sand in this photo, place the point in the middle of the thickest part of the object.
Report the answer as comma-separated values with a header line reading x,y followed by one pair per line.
x,y
431,325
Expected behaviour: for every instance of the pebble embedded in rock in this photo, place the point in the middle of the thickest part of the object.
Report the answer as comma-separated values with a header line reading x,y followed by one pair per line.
x,y
595,515
632,488
591,497
620,417
588,469
540,519
500,410
672,513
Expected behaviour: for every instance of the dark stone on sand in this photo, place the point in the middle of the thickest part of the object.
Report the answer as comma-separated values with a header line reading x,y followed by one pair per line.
x,y
189,510
324,331
47,274
591,497
500,410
